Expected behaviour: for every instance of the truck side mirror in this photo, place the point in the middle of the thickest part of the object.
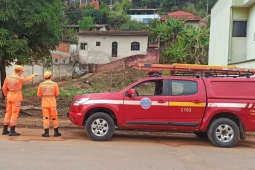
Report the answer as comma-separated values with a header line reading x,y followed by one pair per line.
x,y
131,92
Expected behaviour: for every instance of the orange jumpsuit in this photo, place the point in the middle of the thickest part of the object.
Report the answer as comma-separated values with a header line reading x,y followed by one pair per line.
x,y
12,89
48,90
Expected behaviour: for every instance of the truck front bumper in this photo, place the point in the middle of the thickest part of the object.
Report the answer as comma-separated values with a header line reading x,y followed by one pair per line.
x,y
76,118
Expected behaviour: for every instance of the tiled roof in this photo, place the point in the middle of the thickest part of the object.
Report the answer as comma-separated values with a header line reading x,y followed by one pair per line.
x,y
182,15
114,32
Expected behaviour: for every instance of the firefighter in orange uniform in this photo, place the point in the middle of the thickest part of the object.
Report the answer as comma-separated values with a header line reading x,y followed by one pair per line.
x,y
12,90
48,90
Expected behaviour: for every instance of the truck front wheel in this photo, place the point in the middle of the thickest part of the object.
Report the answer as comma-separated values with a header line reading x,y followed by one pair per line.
x,y
223,132
99,127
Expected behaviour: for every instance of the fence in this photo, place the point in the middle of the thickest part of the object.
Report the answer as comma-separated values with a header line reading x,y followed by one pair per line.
x,y
59,72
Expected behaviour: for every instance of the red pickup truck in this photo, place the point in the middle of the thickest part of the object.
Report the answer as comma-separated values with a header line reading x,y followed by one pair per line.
x,y
222,109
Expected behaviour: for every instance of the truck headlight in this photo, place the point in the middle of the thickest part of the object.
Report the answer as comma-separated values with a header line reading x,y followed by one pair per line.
x,y
80,101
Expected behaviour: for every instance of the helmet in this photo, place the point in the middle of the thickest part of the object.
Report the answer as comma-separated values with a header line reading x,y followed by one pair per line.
x,y
19,68
47,74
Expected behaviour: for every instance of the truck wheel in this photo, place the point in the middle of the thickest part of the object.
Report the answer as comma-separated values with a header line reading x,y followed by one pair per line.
x,y
201,134
223,133
100,127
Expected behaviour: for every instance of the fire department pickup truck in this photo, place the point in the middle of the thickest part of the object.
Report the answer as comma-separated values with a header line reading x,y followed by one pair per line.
x,y
222,109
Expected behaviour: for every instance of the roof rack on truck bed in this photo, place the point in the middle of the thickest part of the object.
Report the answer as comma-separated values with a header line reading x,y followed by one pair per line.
x,y
196,70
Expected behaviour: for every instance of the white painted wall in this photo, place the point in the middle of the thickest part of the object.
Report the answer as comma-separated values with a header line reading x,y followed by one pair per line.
x,y
238,44
251,34
103,54
219,33
142,17
194,24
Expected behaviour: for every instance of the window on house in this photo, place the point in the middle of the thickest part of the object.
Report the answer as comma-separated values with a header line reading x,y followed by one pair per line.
x,y
135,46
239,28
184,87
98,43
56,60
114,49
63,61
84,46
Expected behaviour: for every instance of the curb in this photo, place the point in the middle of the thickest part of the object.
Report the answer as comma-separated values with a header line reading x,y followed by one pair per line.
x,y
29,125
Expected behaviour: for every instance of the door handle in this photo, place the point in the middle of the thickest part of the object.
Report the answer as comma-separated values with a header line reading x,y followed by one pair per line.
x,y
161,101
196,101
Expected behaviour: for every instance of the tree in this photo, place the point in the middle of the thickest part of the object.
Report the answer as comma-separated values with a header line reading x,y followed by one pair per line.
x,y
180,43
73,13
28,29
133,25
86,24
99,16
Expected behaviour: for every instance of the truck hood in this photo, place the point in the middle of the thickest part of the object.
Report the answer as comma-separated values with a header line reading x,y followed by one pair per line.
x,y
96,96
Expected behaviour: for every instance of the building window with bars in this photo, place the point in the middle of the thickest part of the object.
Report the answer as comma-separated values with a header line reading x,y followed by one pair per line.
x,y
135,46
114,49
84,46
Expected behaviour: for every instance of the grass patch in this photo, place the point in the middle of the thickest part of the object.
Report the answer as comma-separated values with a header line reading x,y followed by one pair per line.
x,y
30,93
75,92
65,92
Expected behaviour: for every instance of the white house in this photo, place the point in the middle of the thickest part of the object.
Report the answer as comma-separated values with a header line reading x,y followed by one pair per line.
x,y
232,33
143,15
101,47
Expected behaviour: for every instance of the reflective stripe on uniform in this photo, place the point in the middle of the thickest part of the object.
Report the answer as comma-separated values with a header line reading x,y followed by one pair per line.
x,y
15,90
13,77
48,83
13,122
6,121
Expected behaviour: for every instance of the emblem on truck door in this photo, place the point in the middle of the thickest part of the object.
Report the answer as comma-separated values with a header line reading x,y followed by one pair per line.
x,y
145,103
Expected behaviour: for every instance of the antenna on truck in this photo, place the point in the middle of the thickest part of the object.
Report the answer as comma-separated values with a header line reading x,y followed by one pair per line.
x,y
195,70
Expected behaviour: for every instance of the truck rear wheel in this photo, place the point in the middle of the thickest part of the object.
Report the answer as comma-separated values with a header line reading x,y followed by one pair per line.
x,y
99,127
223,132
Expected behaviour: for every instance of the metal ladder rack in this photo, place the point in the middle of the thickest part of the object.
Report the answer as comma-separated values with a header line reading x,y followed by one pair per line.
x,y
195,70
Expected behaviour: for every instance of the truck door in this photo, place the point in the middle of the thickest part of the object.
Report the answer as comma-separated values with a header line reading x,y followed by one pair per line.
x,y
187,102
149,106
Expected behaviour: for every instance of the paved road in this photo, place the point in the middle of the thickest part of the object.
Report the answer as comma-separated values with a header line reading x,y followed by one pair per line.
x,y
74,151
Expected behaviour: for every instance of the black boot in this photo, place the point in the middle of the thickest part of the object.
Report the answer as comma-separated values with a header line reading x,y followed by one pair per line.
x,y
56,133
13,132
46,133
5,131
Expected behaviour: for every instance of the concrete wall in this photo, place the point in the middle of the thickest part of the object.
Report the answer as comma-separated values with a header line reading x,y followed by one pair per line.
x,y
63,53
59,72
103,54
193,23
144,18
250,54
220,32
151,57
238,44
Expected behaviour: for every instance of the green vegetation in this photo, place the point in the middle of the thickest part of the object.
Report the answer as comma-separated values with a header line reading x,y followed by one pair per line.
x,y
180,43
69,92
28,30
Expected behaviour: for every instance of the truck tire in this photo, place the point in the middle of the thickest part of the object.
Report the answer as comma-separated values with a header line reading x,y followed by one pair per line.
x,y
223,132
99,127
200,134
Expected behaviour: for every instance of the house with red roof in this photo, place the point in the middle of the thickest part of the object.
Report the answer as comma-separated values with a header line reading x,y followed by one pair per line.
x,y
190,18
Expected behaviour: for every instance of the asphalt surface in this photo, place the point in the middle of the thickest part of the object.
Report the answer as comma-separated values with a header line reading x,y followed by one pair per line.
x,y
125,151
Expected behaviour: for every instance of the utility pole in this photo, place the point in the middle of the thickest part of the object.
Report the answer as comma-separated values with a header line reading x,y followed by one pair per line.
x,y
207,6
110,4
